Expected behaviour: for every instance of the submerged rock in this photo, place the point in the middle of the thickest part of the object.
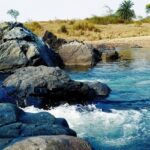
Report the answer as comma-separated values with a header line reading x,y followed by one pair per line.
x,y
78,54
20,47
48,86
50,143
15,123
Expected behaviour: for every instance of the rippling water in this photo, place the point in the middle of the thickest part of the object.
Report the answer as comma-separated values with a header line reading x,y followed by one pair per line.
x,y
123,120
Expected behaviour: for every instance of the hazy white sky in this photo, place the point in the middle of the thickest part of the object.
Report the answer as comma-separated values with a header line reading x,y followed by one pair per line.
x,y
63,9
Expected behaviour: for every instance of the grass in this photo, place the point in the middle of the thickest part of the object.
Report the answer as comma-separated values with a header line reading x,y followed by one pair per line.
x,y
92,29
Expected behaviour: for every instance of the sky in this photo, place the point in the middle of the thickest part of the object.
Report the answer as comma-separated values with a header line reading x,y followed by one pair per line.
x,y
40,10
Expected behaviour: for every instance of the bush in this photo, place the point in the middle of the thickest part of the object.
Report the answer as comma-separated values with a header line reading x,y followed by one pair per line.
x,y
63,29
84,25
112,19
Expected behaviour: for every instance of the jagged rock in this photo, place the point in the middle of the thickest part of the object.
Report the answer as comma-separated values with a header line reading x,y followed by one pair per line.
x,y
78,54
20,47
50,143
53,41
15,123
47,86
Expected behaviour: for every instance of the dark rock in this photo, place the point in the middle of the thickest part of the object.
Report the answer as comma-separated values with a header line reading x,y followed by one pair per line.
x,y
52,85
52,40
50,143
15,123
78,54
37,118
61,122
20,47
45,129
10,130
8,114
110,55
101,89
4,142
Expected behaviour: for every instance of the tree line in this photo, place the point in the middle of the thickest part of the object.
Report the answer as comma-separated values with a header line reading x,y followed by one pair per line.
x,y
125,11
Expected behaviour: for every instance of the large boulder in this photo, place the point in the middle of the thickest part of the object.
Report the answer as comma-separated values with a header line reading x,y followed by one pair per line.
x,y
78,54
50,143
20,47
46,86
15,124
53,41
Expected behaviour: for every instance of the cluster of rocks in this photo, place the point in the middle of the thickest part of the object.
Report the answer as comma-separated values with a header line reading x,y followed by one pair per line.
x,y
19,47
16,126
75,53
36,79
44,86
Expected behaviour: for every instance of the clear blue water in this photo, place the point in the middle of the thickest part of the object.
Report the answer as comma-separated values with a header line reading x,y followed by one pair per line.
x,y
122,121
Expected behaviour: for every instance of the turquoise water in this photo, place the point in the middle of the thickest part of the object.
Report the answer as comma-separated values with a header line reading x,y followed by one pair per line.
x,y
122,121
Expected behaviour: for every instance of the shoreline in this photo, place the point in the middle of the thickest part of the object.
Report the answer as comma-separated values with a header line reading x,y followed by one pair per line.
x,y
129,42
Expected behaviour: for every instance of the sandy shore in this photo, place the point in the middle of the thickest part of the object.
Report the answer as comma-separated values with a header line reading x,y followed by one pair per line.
x,y
141,41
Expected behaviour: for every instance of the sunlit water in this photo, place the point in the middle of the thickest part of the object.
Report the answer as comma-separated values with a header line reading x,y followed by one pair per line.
x,y
122,122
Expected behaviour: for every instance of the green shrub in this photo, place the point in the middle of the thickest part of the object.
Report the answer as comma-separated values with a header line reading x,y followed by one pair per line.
x,y
84,26
63,29
113,19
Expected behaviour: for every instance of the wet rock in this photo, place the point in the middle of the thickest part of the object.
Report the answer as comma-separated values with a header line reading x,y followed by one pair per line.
x,y
101,89
8,114
15,123
49,143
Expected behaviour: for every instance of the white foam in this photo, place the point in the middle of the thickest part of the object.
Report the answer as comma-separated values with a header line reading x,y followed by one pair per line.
x,y
117,128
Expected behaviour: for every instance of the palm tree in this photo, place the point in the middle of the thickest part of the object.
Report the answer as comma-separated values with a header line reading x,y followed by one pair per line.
x,y
148,8
125,10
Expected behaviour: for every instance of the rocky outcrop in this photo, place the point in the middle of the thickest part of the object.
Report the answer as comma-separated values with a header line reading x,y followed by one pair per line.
x,y
78,54
53,41
15,124
50,143
19,47
48,86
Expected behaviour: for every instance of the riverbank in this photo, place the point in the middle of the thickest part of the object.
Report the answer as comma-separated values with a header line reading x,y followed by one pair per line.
x,y
84,30
129,42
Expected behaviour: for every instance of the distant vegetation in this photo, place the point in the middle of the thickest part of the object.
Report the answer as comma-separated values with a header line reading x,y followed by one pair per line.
x,y
119,24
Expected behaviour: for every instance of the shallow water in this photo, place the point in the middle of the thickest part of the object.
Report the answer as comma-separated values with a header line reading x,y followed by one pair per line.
x,y
123,120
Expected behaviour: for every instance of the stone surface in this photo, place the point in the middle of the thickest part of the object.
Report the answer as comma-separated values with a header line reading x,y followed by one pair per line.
x,y
101,89
50,85
52,40
78,54
8,114
50,143
20,47
15,124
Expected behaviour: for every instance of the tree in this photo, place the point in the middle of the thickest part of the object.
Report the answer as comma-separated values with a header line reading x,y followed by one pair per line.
x,y
148,8
125,10
13,13
109,10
